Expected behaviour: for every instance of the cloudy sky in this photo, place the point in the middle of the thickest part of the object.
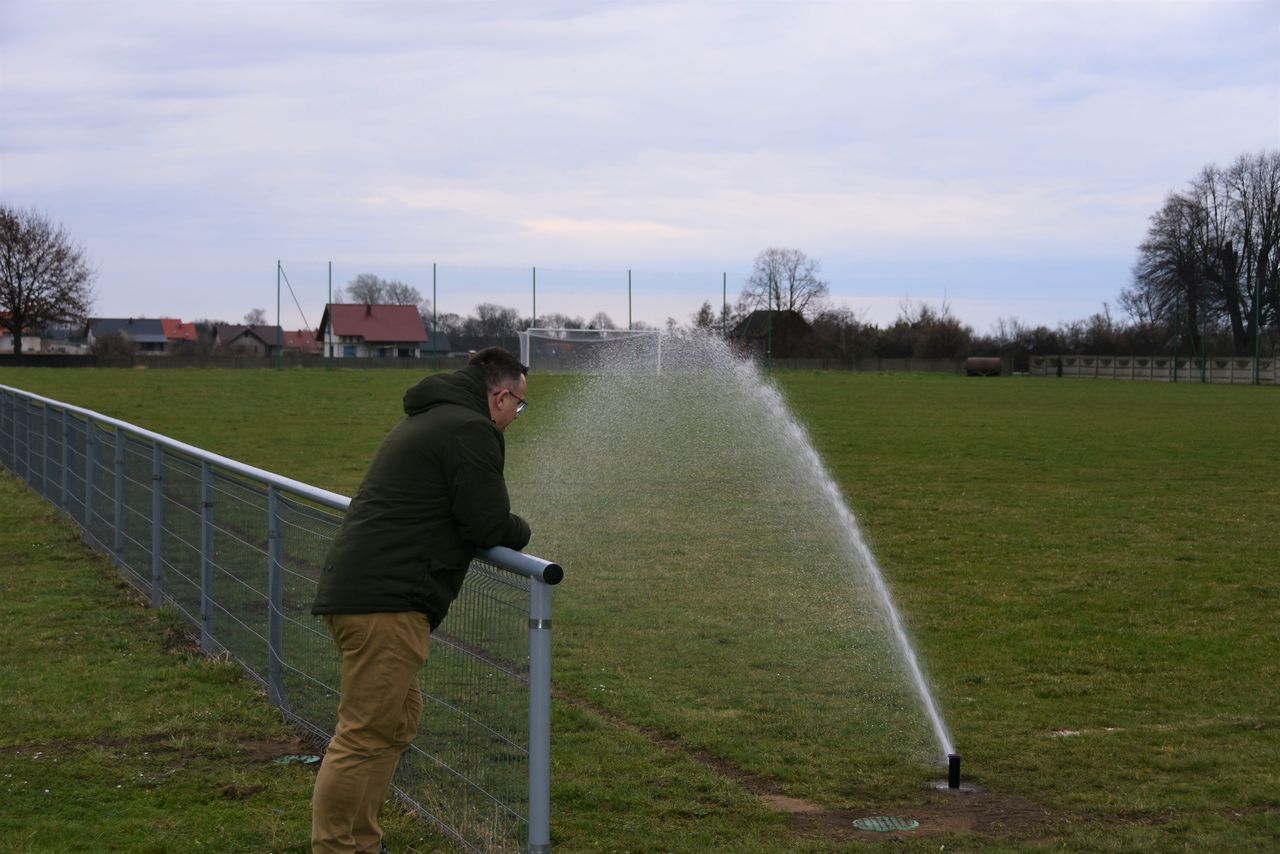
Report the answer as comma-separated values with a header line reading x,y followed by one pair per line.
x,y
1003,156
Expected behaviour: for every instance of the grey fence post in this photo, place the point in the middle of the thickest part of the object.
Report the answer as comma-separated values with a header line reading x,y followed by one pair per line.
x,y
89,452
539,717
118,542
275,608
157,524
206,557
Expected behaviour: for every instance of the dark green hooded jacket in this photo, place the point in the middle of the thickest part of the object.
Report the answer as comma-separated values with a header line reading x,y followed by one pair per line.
x,y
433,495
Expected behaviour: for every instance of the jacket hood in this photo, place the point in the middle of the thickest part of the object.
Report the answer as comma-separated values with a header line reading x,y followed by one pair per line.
x,y
462,388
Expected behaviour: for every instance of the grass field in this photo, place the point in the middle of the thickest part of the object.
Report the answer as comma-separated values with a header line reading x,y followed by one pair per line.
x,y
1089,570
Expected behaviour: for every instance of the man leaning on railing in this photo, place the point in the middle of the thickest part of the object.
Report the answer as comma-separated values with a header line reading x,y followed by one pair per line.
x,y
433,495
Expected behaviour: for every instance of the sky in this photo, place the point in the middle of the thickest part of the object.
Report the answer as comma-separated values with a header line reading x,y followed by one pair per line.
x,y
1001,157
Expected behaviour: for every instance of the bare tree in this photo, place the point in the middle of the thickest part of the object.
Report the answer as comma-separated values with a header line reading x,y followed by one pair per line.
x,y
255,317
1212,254
601,320
401,293
705,318
44,274
493,321
787,279
366,289
561,321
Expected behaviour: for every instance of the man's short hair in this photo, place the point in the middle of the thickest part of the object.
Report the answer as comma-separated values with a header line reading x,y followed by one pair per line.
x,y
500,368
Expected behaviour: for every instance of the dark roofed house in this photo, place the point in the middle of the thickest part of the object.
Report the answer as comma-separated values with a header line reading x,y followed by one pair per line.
x,y
437,343
237,340
361,330
146,332
787,329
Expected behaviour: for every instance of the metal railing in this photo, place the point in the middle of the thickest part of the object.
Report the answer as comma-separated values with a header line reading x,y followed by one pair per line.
x,y
238,550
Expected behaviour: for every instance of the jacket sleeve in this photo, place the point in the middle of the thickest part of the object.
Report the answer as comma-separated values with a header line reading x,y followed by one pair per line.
x,y
481,506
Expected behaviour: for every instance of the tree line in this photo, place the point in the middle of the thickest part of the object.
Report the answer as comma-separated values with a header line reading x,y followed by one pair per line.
x,y
1206,280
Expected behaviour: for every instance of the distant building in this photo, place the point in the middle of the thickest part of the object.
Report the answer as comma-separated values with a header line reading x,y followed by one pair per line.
x,y
237,340
302,341
361,330
176,332
31,342
64,339
146,332
787,331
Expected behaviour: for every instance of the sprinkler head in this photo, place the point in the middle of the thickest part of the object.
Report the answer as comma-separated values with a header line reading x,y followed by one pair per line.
x,y
953,770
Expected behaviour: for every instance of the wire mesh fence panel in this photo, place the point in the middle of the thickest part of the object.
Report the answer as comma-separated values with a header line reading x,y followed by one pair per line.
x,y
134,485
181,531
239,584
73,471
99,488
468,766
239,552
310,674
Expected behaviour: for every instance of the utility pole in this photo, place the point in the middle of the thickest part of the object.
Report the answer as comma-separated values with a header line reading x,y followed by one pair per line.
x,y
435,313
279,343
328,335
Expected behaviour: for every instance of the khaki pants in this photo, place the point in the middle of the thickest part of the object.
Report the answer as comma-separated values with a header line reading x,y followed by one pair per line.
x,y
378,715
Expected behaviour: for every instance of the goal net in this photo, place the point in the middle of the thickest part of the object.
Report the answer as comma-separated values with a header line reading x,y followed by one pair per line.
x,y
592,350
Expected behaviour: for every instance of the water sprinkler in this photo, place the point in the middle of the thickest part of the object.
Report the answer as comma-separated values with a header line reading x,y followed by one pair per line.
x,y
953,770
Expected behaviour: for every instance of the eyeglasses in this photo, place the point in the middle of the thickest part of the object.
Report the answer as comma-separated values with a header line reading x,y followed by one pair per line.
x,y
521,405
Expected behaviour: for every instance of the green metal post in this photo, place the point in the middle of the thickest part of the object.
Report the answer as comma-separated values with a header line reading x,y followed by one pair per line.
x,y
328,338
1203,348
1257,331
279,269
770,344
724,307
435,314
1177,332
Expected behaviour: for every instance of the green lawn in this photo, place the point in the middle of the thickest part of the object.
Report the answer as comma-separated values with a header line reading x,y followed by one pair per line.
x,y
1088,569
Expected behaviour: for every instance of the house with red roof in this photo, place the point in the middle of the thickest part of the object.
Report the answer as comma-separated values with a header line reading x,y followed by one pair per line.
x,y
175,331
357,330
302,341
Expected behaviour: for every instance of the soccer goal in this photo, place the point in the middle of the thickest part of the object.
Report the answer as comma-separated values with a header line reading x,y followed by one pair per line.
x,y
592,350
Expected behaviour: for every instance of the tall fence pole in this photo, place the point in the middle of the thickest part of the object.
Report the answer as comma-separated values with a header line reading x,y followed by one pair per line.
x,y
157,525
206,557
275,607
1257,331
539,717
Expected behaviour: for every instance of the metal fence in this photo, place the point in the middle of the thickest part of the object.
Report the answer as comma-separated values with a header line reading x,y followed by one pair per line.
x,y
238,550
1235,370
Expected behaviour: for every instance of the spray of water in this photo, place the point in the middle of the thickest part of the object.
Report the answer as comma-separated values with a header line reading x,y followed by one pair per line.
x,y
702,526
